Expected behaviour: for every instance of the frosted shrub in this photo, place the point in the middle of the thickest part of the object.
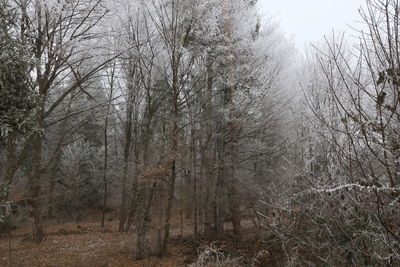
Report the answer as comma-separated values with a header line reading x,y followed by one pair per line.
x,y
211,256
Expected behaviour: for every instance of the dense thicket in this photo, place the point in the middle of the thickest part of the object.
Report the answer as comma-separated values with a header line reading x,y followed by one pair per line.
x,y
345,199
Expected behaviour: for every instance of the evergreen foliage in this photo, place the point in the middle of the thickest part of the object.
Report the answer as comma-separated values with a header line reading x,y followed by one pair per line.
x,y
16,96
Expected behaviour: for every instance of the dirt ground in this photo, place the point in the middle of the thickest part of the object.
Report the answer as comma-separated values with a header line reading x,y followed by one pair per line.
x,y
87,244
84,244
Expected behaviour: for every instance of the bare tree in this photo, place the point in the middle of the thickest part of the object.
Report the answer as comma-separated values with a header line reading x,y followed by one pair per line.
x,y
58,33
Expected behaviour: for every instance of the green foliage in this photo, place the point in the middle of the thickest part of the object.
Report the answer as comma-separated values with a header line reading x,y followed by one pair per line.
x,y
16,95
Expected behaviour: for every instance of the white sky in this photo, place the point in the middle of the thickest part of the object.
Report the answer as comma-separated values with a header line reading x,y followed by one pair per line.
x,y
309,20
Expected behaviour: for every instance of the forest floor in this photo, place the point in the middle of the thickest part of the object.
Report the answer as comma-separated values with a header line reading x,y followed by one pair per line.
x,y
87,244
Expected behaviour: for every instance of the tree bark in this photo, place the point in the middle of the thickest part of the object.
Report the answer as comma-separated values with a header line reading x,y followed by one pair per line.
x,y
127,148
209,228
171,192
103,213
174,151
194,174
233,126
38,234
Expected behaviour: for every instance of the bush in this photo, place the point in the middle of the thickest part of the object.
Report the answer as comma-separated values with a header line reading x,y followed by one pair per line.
x,y
211,256
334,228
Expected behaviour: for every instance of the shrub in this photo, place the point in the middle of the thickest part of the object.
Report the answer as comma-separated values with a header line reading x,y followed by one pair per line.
x,y
212,256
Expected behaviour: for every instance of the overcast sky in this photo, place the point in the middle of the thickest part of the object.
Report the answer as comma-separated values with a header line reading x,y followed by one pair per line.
x,y
309,20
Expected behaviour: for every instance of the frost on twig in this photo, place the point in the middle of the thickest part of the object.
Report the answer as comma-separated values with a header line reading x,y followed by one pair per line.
x,y
212,256
362,188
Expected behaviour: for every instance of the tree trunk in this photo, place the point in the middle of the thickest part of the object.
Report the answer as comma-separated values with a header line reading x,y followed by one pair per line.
x,y
122,214
127,154
234,185
194,173
52,182
174,151
143,218
209,229
103,213
233,125
38,234
132,207
145,141
171,192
